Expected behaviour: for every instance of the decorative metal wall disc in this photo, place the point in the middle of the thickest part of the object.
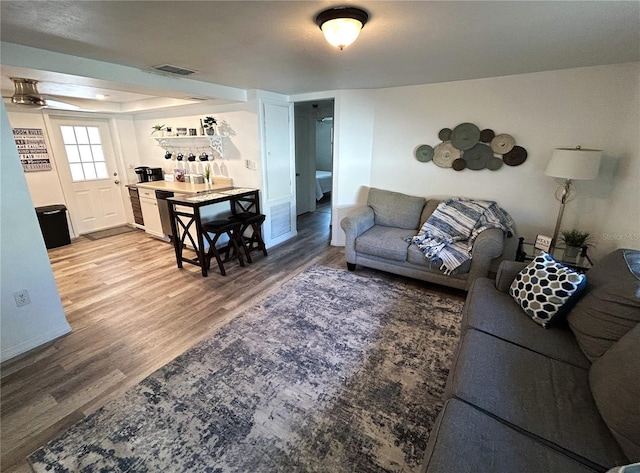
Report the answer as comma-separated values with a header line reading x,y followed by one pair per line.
x,y
459,164
487,135
424,153
445,154
502,144
465,136
477,157
445,134
494,164
516,156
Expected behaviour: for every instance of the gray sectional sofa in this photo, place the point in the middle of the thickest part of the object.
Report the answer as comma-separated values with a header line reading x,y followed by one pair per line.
x,y
375,238
521,398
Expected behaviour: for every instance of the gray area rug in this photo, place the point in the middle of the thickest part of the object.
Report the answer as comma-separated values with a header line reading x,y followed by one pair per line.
x,y
333,372
108,232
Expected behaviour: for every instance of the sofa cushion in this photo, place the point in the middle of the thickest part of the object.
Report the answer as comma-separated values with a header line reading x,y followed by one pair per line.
x,y
615,384
619,265
611,306
385,242
416,256
546,289
467,440
542,396
489,310
429,208
393,209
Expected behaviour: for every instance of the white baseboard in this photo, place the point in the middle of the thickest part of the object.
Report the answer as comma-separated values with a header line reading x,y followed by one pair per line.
x,y
27,345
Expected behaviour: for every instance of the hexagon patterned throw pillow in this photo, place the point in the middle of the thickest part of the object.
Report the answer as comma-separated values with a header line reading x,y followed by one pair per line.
x,y
546,289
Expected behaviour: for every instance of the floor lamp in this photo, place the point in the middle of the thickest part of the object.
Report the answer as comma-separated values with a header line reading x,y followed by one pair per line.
x,y
570,164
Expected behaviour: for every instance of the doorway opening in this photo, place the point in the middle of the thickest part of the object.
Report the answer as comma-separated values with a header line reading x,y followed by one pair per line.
x,y
314,156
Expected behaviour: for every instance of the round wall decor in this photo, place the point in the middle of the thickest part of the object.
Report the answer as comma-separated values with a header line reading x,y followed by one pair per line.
x,y
494,164
466,147
445,154
502,144
487,135
445,134
459,164
516,156
477,157
465,136
424,153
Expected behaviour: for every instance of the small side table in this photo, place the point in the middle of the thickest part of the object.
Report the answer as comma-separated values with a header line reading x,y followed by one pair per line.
x,y
527,251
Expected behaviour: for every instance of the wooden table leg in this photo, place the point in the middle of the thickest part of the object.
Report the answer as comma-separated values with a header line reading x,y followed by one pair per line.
x,y
177,241
202,259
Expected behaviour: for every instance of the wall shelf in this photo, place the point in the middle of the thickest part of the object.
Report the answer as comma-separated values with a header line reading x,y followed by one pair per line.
x,y
175,143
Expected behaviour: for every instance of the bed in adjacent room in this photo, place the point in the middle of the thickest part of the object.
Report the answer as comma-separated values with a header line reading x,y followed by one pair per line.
x,y
323,183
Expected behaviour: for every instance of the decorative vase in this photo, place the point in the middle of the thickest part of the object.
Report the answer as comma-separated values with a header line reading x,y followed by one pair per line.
x,y
210,131
571,253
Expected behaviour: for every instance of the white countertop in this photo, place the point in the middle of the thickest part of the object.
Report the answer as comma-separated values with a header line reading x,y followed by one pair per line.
x,y
186,187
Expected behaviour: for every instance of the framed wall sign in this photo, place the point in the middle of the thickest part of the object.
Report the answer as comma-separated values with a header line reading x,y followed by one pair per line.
x,y
32,149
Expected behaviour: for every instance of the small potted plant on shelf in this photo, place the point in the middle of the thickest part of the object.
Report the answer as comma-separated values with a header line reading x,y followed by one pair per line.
x,y
574,241
210,124
159,129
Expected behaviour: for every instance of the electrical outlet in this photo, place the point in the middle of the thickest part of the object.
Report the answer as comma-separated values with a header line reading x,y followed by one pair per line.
x,y
22,298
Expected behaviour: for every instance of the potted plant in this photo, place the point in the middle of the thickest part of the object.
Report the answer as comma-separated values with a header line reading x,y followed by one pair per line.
x,y
574,241
207,175
159,129
210,124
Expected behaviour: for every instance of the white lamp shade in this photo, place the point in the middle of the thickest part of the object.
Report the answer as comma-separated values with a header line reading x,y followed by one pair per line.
x,y
574,163
341,32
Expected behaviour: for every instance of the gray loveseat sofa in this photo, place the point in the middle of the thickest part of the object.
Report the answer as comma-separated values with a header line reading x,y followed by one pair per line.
x,y
375,238
527,399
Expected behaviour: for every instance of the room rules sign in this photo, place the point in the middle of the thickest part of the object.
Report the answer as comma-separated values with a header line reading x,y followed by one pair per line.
x,y
32,149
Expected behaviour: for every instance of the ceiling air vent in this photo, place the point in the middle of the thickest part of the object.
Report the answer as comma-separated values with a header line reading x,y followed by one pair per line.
x,y
171,69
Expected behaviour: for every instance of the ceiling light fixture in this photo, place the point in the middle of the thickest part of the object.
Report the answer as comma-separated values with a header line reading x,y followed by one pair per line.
x,y
341,25
26,93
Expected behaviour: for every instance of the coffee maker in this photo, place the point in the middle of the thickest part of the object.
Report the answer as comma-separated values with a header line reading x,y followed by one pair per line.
x,y
141,171
147,174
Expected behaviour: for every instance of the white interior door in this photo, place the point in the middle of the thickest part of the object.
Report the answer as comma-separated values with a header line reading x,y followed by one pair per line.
x,y
279,171
88,173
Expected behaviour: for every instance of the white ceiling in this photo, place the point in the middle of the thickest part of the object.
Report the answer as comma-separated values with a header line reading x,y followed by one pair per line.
x,y
276,46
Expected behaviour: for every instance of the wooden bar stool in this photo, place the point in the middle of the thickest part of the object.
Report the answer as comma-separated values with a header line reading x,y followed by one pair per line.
x,y
254,241
217,228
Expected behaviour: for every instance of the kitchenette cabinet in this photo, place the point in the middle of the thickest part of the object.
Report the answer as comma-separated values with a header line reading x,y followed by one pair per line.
x,y
150,212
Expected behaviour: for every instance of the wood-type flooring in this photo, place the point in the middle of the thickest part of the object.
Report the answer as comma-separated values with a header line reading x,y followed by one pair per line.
x,y
132,311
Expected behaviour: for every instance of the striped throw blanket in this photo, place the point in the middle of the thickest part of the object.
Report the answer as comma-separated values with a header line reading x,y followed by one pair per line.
x,y
449,233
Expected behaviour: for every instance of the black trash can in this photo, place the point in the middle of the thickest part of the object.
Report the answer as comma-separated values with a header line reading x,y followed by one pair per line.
x,y
53,224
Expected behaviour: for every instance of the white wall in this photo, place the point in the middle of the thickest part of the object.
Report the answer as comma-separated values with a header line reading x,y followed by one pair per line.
x,y
595,107
44,186
24,262
353,141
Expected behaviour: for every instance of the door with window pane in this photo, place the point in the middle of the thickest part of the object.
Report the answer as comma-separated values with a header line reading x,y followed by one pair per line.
x,y
88,173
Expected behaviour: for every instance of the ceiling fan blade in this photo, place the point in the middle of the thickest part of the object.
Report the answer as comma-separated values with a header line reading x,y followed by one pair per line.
x,y
51,103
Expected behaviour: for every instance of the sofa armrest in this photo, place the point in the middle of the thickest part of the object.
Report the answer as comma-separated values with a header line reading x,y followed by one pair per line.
x,y
507,272
488,245
354,225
